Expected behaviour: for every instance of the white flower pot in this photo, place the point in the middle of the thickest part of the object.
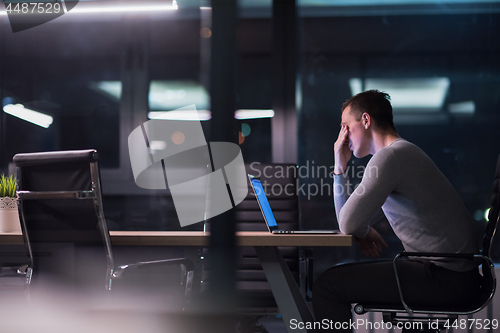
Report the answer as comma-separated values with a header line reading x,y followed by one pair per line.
x,y
9,215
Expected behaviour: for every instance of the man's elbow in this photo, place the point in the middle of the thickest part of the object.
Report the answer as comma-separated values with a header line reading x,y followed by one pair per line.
x,y
344,226
347,229
352,229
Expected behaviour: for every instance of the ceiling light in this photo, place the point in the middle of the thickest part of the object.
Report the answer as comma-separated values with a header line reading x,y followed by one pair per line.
x,y
83,8
408,94
34,117
253,114
122,9
181,115
174,94
111,89
462,108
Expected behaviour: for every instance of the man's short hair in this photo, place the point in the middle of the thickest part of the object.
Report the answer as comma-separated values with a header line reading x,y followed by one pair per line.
x,y
376,103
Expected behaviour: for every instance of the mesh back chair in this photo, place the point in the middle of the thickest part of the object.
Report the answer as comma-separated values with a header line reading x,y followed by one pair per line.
x,y
391,312
254,293
63,223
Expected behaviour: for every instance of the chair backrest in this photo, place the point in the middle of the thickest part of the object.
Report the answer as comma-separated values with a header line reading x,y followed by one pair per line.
x,y
494,214
62,219
489,280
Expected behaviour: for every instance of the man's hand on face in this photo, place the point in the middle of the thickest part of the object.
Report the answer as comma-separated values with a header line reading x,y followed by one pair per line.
x,y
371,244
341,151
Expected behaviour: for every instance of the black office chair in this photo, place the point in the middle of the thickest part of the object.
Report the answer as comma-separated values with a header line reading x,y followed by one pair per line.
x,y
64,228
254,293
448,314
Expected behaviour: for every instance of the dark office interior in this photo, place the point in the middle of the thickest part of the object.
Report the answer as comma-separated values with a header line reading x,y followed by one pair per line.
x,y
99,76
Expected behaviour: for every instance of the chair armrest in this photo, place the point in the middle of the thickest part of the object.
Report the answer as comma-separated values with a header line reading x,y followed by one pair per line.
x,y
306,270
187,271
26,271
144,264
23,270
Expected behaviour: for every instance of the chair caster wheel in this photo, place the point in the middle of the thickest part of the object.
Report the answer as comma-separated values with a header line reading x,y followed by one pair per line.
x,y
359,309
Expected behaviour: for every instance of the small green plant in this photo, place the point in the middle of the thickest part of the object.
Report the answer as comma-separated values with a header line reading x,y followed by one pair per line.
x,y
8,186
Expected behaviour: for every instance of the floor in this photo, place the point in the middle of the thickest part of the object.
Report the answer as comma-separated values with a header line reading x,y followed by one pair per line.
x,y
273,324
59,310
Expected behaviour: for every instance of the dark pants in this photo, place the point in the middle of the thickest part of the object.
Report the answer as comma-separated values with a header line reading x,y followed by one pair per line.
x,y
422,283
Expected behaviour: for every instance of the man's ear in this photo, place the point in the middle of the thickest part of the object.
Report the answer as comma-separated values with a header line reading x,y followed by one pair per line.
x,y
365,120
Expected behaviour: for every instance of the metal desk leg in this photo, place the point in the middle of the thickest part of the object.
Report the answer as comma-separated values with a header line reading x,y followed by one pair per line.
x,y
195,254
285,290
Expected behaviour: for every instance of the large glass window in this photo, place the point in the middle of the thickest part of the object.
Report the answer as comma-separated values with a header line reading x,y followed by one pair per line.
x,y
438,60
57,69
254,82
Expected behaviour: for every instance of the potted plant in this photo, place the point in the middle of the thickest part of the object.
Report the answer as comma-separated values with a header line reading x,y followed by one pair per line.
x,y
9,215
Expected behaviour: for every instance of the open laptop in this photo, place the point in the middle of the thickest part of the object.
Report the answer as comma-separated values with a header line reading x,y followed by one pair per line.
x,y
267,212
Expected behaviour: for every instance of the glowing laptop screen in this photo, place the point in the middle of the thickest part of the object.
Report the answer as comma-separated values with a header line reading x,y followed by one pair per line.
x,y
264,204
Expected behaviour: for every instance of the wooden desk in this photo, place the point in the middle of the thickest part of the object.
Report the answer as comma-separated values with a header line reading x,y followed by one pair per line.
x,y
285,290
200,238
243,238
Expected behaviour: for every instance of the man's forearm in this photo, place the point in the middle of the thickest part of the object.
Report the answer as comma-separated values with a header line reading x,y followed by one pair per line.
x,y
338,170
341,191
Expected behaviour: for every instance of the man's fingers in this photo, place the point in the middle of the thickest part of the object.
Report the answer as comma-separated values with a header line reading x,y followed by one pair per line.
x,y
371,244
381,241
343,134
370,253
374,253
371,250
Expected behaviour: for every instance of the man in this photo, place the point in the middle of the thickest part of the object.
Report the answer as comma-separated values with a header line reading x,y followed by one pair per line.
x,y
402,184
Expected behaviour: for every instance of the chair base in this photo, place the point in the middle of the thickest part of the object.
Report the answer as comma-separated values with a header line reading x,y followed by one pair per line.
x,y
250,324
419,323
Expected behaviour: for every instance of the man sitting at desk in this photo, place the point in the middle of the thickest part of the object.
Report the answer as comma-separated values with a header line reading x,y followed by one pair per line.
x,y
402,184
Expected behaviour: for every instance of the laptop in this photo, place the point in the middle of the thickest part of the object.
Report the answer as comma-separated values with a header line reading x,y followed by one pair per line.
x,y
267,212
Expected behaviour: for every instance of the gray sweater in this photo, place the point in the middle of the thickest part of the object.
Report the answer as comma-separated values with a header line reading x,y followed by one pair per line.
x,y
402,184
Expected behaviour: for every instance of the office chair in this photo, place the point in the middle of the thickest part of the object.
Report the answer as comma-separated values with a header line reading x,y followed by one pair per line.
x,y
254,293
64,228
447,314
